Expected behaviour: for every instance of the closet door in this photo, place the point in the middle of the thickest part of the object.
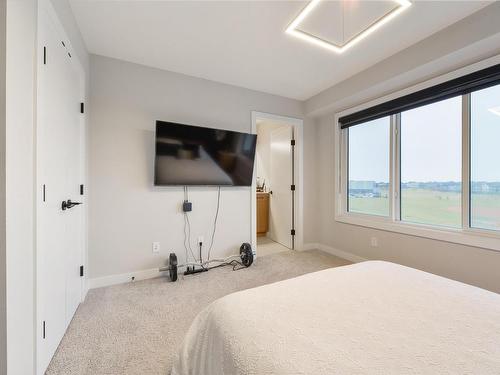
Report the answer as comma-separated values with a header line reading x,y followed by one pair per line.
x,y
59,232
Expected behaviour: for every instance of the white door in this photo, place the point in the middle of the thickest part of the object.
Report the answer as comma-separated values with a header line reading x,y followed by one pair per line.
x,y
280,213
59,232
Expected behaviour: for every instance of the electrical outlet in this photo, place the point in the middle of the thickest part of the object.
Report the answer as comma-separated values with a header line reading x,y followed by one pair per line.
x,y
374,241
156,247
200,239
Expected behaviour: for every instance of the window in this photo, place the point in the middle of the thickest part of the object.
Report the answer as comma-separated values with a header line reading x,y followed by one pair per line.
x,y
431,164
426,163
485,159
369,168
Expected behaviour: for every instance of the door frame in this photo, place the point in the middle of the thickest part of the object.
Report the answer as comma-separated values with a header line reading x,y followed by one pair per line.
x,y
46,10
298,130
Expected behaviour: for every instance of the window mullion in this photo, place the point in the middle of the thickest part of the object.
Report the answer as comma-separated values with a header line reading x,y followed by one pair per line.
x,y
344,174
466,106
395,182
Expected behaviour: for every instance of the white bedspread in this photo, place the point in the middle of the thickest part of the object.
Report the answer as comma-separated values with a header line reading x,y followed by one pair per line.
x,y
368,318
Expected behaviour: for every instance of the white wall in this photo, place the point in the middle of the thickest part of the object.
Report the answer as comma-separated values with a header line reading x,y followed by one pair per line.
x,y
126,212
312,203
262,155
263,151
3,265
21,31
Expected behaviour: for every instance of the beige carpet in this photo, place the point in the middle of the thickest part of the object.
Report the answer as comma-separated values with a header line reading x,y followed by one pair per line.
x,y
136,328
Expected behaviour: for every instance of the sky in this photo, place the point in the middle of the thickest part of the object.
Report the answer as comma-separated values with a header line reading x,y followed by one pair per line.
x,y
485,137
431,142
369,151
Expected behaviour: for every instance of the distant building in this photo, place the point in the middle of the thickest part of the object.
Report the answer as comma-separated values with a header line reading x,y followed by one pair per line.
x,y
362,189
482,187
411,185
372,189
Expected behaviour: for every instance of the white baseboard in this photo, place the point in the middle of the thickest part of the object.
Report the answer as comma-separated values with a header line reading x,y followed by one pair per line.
x,y
310,246
331,250
99,282
85,291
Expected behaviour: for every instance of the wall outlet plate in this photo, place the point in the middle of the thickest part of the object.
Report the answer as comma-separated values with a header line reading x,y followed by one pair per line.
x,y
156,247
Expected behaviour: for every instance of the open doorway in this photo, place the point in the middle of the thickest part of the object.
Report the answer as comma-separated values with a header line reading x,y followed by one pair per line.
x,y
276,184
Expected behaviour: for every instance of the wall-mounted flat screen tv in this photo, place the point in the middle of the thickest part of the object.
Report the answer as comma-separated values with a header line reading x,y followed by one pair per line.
x,y
193,155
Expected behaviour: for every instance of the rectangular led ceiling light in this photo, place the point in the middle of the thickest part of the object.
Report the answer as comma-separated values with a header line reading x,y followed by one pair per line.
x,y
292,29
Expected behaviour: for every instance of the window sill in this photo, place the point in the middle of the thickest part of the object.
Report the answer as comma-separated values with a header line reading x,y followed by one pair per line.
x,y
475,238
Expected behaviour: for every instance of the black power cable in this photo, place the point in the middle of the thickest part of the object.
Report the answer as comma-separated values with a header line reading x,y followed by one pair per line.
x,y
233,263
215,223
187,236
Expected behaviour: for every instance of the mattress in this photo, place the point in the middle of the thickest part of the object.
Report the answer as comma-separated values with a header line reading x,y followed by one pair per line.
x,y
368,318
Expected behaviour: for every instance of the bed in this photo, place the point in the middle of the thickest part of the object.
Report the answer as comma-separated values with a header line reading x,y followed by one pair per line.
x,y
368,318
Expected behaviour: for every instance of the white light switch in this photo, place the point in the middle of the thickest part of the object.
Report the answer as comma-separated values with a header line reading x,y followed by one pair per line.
x,y
156,247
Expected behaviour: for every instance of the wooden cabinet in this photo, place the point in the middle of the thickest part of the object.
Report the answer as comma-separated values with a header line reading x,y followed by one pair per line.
x,y
262,214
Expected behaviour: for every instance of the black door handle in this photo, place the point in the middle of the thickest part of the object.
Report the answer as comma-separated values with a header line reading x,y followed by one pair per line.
x,y
69,204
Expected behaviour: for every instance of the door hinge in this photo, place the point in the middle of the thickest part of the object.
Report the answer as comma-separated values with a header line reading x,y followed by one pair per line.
x,y
292,142
82,107
292,232
292,187
43,329
81,189
81,271
43,193
44,55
